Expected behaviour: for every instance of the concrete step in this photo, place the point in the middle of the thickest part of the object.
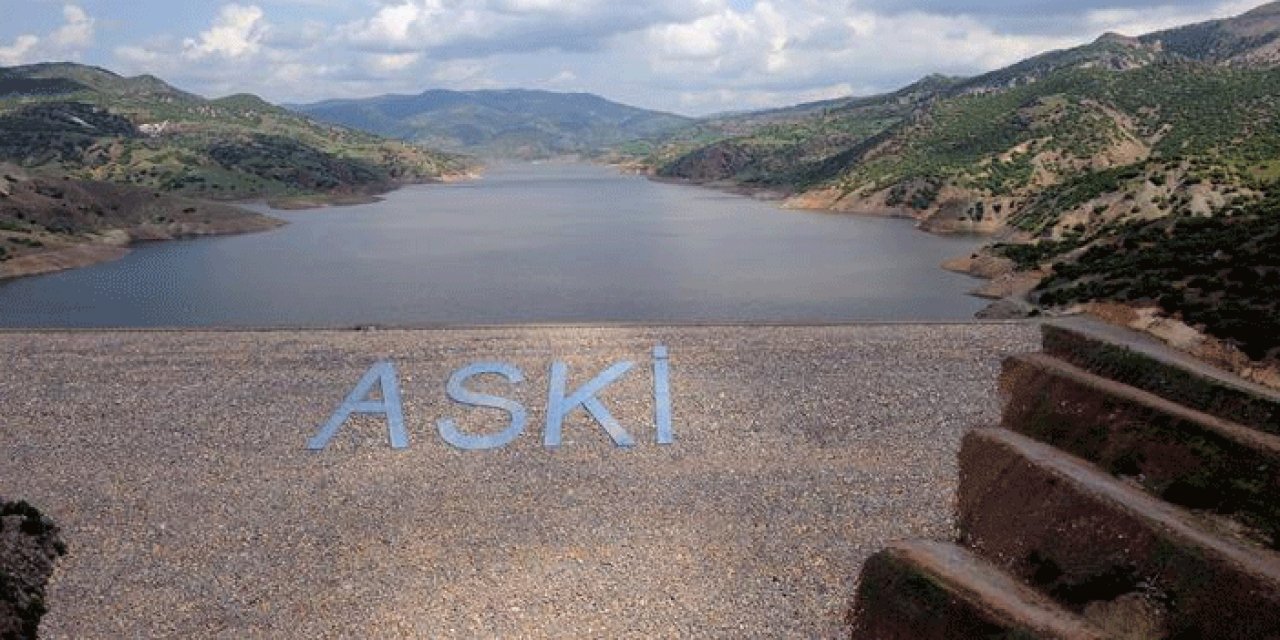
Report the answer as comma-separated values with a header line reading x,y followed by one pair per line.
x,y
1184,456
921,590
1106,549
1143,362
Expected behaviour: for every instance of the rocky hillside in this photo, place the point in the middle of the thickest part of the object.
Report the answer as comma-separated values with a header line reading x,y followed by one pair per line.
x,y
969,154
782,147
766,129
1083,162
91,124
51,223
1249,40
1221,272
510,123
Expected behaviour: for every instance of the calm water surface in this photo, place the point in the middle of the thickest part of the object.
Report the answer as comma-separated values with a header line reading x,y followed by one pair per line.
x,y
528,243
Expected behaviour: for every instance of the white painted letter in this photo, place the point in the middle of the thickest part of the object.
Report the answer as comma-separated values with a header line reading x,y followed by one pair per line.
x,y
662,395
449,431
558,405
383,373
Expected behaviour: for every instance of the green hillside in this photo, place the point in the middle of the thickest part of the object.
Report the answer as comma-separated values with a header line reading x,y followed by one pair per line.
x,y
1046,149
91,124
49,223
1097,165
1222,272
774,146
783,147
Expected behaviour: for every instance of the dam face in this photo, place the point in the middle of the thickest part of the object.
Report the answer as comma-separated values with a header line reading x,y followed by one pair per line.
x,y
182,470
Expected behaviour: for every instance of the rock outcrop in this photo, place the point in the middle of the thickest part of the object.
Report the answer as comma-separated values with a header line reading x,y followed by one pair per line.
x,y
29,547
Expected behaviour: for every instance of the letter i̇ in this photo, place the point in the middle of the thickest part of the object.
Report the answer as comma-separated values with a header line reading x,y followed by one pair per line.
x,y
662,395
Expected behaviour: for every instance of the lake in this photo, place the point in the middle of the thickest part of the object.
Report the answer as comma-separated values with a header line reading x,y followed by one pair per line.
x,y
527,243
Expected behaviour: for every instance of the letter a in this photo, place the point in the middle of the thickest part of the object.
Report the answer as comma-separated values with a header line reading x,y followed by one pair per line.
x,y
383,374
558,405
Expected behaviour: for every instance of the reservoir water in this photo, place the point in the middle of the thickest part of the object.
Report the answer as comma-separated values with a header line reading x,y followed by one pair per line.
x,y
527,243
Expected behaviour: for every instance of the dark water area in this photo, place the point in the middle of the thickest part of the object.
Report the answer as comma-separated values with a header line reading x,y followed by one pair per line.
x,y
527,243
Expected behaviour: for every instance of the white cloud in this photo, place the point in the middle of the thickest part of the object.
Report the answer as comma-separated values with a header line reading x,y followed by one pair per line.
x,y
694,56
792,47
241,51
237,32
76,32
564,78
1139,21
711,55
20,51
393,62
68,41
467,28
394,24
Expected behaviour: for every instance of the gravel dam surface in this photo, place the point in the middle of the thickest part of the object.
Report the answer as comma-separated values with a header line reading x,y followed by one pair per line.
x,y
176,464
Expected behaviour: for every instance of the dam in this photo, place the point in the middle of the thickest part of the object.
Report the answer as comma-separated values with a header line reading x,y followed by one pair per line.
x,y
176,464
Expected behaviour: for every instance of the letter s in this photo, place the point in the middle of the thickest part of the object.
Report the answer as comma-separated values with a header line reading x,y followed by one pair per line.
x,y
458,393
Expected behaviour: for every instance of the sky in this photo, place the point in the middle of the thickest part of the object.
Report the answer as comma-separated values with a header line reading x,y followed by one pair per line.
x,y
692,57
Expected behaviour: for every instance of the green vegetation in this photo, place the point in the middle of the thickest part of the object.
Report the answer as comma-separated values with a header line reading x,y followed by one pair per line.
x,y
1221,273
91,124
1032,255
1076,191
1052,133
1141,170
782,154
920,195
793,148
40,213
1225,120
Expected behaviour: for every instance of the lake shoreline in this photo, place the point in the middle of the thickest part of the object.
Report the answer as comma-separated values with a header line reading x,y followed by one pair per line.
x,y
371,195
115,244
446,256
1000,284
786,199
56,223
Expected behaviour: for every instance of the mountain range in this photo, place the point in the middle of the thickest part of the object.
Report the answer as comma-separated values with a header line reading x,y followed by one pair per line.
x,y
513,123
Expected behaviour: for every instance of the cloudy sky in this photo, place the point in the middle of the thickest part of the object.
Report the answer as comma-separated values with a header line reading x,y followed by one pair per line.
x,y
688,56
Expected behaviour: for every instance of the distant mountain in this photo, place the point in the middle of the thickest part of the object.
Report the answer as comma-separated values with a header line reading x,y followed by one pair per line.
x,y
1091,164
510,123
91,124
